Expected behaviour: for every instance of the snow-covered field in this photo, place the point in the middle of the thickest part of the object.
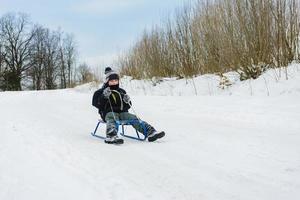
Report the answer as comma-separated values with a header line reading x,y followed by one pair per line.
x,y
219,144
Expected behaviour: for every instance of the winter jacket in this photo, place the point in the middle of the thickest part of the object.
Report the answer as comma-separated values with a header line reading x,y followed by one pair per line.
x,y
116,101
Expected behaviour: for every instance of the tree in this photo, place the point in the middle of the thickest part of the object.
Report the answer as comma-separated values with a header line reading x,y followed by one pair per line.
x,y
85,74
51,59
32,52
16,39
216,37
2,55
70,53
38,56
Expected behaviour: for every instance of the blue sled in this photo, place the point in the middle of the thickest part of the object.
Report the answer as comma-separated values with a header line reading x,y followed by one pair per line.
x,y
122,124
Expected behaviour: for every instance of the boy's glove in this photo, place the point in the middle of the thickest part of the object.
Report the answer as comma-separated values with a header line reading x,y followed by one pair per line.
x,y
106,92
126,98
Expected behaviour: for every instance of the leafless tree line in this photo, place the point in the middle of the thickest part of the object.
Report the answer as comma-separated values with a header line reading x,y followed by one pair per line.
x,y
86,74
34,55
216,37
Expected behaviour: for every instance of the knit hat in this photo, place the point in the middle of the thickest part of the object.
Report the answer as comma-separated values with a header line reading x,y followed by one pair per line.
x,y
111,75
107,69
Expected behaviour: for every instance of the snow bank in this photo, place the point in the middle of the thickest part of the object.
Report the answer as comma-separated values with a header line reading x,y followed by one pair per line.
x,y
272,83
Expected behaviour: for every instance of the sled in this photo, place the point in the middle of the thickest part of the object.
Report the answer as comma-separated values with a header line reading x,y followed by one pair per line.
x,y
122,124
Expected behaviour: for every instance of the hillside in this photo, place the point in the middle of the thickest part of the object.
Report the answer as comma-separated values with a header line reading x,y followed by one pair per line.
x,y
222,144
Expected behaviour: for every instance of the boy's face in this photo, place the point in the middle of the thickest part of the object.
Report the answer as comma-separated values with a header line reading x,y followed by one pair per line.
x,y
113,82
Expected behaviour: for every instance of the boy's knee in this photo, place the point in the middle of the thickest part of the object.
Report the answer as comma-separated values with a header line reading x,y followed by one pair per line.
x,y
127,116
110,117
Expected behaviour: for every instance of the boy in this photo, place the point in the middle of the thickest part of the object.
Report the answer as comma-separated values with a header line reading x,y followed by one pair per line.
x,y
113,104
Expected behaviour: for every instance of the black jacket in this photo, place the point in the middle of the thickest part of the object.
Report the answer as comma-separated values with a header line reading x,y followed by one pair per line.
x,y
116,102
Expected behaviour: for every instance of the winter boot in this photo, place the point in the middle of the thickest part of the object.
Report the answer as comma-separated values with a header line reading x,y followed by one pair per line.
x,y
155,135
113,140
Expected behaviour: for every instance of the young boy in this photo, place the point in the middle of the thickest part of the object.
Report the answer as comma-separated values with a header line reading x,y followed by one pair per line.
x,y
113,104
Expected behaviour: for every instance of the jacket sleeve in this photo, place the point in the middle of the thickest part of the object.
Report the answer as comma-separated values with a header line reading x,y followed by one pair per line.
x,y
126,106
96,102
102,101
95,99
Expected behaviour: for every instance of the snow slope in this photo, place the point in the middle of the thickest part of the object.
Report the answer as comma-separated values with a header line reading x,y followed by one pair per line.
x,y
219,146
271,83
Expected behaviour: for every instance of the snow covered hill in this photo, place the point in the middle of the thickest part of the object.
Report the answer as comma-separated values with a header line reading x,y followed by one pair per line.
x,y
271,83
219,144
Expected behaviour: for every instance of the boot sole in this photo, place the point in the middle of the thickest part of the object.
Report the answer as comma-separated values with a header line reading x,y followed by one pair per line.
x,y
157,136
118,141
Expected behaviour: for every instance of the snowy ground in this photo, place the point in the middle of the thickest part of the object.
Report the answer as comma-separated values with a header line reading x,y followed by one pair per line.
x,y
217,147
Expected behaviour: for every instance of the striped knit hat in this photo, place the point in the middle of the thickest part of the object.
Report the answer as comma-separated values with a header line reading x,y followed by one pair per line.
x,y
111,74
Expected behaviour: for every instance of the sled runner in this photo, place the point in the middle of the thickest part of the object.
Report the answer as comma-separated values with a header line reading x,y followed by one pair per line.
x,y
124,123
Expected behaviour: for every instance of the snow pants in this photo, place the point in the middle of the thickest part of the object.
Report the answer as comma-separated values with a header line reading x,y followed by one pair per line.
x,y
112,130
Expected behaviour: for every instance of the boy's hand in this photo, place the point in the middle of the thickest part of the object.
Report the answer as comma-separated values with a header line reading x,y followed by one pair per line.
x,y
106,92
126,98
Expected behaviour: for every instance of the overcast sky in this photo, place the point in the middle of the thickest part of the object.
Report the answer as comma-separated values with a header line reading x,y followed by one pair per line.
x,y
102,28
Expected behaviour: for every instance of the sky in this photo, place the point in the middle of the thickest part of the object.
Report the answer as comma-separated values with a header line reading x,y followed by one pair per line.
x,y
102,28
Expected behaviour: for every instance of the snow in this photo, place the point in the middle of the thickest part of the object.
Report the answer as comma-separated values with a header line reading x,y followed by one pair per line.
x,y
271,83
220,144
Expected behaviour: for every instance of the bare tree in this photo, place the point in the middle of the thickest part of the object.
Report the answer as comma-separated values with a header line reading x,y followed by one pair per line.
x,y
85,73
70,56
38,57
51,71
218,36
2,55
17,36
2,67
34,53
